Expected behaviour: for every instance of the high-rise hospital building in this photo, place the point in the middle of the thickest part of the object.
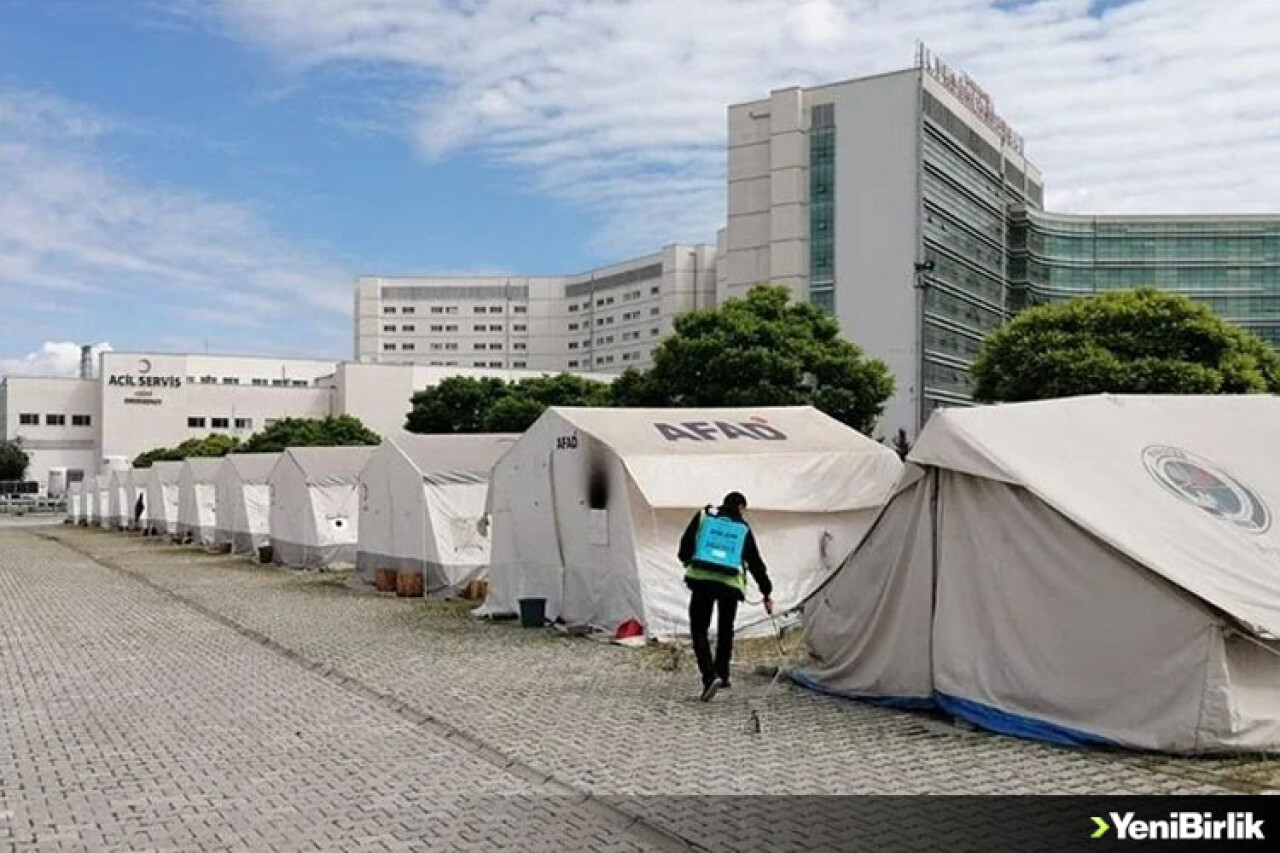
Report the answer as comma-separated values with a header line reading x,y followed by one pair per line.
x,y
902,203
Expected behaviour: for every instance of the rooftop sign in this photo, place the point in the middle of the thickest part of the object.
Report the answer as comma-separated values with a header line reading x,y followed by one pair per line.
x,y
969,93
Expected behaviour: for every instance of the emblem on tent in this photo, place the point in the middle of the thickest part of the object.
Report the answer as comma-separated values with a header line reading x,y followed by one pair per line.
x,y
1201,483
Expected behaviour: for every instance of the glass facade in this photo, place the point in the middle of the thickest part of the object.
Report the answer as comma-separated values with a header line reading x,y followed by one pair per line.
x,y
1229,263
966,187
822,175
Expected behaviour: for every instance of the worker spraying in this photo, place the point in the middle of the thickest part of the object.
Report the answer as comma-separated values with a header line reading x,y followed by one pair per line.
x,y
717,549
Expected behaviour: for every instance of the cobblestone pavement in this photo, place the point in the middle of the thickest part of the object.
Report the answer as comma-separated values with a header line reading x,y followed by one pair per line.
x,y
178,690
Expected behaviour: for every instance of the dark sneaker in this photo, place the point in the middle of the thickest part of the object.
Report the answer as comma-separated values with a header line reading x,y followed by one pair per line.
x,y
709,690
725,685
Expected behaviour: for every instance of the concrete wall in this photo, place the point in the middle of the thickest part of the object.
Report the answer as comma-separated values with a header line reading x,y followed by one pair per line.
x,y
50,445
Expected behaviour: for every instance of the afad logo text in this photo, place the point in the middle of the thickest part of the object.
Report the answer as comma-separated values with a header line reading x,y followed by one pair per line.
x,y
754,429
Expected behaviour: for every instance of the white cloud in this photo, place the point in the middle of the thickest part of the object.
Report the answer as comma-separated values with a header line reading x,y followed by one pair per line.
x,y
54,358
1155,106
79,234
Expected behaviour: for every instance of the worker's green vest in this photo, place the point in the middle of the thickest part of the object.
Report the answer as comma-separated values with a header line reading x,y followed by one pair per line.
x,y
736,580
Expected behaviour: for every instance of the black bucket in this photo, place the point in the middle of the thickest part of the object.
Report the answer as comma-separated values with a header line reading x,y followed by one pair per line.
x,y
265,553
533,612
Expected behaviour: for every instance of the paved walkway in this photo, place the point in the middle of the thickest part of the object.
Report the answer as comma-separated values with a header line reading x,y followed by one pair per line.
x,y
163,698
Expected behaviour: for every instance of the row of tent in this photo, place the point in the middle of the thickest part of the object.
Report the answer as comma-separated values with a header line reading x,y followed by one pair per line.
x,y
1091,570
413,503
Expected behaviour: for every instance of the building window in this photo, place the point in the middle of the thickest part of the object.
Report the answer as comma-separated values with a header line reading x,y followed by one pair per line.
x,y
573,344
29,419
519,327
495,364
208,380
386,348
653,312
599,321
437,309
497,328
408,328
219,423
408,347
259,382
388,309
450,346
55,420
479,309
573,327
573,363
451,328
437,328
451,309
81,420
435,347
278,383
653,291
519,309
573,309
654,332
230,380
195,423
244,423
478,327
518,345
299,383
75,475
390,328
495,346
519,363
407,310
478,346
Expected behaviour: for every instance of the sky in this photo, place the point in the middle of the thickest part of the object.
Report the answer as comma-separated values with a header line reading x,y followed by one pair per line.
x,y
211,175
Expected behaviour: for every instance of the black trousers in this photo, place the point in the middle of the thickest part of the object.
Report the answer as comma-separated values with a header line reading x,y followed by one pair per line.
x,y
705,596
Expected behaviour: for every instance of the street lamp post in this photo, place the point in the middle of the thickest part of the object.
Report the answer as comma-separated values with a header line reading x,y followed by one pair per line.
x,y
921,286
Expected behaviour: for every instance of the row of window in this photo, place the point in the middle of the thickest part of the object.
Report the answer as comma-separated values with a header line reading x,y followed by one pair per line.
x,y
199,422
453,309
256,382
33,419
602,301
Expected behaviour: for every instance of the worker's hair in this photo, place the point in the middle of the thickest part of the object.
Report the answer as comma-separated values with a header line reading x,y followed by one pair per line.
x,y
735,500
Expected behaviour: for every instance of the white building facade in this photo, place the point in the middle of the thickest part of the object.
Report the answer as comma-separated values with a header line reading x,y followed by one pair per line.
x,y
605,320
884,201
141,401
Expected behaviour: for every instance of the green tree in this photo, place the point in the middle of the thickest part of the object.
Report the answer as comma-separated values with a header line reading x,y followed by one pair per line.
x,y
761,350
463,404
342,431
13,461
209,445
456,404
1126,342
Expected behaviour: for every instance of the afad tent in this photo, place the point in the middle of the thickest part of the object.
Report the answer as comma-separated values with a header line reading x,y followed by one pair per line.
x,y
196,500
162,497
315,513
588,507
242,501
99,486
1096,569
122,494
421,500
75,503
117,485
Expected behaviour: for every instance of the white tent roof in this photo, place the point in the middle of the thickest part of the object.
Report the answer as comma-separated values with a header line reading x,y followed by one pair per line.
x,y
252,467
330,465
783,458
204,469
167,472
444,457
1186,486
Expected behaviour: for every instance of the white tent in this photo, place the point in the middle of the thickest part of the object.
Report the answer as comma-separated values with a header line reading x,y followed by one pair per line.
x,y
421,500
315,515
589,506
161,484
122,495
242,501
114,514
98,494
196,500
1095,569
75,502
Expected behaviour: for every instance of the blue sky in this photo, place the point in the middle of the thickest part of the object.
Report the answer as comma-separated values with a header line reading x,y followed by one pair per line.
x,y
183,173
